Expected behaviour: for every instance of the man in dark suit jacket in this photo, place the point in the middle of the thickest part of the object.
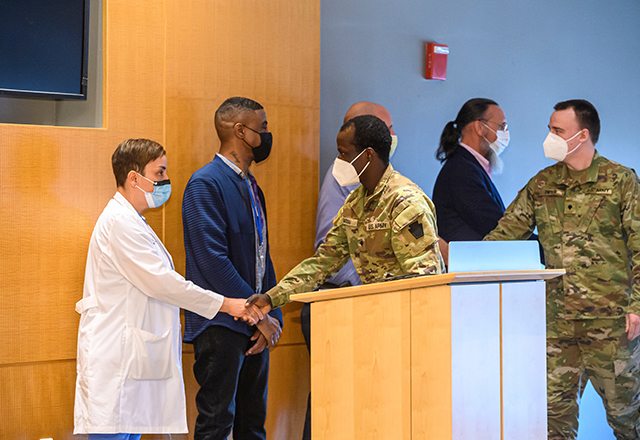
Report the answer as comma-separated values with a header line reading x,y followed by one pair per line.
x,y
227,250
468,204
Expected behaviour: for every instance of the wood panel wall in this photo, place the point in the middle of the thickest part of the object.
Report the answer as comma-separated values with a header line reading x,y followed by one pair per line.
x,y
168,65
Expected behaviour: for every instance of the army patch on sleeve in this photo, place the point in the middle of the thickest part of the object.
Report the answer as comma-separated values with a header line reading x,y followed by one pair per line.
x,y
416,229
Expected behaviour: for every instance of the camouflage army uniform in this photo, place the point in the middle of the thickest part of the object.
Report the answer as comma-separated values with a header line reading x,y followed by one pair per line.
x,y
588,222
391,231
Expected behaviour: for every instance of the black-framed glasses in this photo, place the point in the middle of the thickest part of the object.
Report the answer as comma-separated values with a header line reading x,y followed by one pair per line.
x,y
503,127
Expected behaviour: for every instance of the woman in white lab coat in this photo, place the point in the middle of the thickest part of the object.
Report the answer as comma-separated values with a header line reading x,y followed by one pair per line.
x,y
129,366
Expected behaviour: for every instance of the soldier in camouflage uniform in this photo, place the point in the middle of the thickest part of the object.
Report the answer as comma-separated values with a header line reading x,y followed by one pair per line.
x,y
586,210
387,225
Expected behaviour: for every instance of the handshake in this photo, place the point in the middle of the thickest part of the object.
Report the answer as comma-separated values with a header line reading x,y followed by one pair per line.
x,y
251,310
254,311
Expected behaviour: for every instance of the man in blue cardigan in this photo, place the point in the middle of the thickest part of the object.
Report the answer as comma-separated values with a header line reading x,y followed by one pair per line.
x,y
227,251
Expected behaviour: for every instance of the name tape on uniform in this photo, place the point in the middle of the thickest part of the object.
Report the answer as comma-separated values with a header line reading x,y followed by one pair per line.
x,y
377,226
350,222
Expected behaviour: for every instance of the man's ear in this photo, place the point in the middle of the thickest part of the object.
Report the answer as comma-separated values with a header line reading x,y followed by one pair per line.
x,y
584,135
371,153
238,130
477,127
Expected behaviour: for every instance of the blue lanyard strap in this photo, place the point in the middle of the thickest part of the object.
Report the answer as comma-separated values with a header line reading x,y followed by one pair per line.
x,y
256,213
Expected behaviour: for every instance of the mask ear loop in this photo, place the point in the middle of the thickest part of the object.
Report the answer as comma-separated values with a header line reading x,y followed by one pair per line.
x,y
365,167
356,158
494,132
576,147
152,182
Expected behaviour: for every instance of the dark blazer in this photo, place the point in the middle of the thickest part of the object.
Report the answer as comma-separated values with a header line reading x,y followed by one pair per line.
x,y
468,205
219,243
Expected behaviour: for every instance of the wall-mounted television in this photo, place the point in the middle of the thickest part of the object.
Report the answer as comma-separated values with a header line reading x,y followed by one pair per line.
x,y
44,48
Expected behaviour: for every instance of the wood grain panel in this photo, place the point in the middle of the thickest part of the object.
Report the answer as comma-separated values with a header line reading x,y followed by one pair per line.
x,y
332,402
36,400
212,56
54,182
431,363
167,66
269,52
361,367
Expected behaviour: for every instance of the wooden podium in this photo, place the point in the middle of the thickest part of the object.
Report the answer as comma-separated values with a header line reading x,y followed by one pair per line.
x,y
454,356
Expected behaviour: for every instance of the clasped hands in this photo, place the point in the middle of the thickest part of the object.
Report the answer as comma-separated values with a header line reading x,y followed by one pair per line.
x,y
254,311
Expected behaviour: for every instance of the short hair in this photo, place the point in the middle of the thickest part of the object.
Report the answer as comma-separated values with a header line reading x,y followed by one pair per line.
x,y
235,106
134,155
471,111
586,115
370,132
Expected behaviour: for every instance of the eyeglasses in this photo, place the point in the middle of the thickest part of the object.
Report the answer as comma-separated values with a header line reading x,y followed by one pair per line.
x,y
503,127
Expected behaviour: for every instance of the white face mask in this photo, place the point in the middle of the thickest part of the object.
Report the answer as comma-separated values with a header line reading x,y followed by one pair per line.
x,y
557,148
345,173
394,145
501,142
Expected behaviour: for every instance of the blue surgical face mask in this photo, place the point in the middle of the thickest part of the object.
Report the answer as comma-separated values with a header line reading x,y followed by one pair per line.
x,y
160,194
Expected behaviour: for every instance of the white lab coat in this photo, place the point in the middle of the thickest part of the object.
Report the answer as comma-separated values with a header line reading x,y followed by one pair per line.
x,y
129,342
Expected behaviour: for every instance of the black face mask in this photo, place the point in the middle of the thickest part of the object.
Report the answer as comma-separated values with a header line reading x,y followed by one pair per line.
x,y
262,151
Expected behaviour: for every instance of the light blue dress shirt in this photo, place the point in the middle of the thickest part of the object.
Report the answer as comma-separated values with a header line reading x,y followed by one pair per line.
x,y
330,200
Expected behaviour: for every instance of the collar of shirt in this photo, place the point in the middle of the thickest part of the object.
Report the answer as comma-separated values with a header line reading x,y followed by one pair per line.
x,y
124,202
233,166
483,161
260,245
361,192
563,177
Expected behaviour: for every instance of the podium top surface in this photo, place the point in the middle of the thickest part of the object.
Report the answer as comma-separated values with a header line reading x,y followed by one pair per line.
x,y
498,276
496,255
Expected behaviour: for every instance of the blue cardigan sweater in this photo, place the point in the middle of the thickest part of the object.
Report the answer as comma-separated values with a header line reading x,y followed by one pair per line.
x,y
468,205
219,242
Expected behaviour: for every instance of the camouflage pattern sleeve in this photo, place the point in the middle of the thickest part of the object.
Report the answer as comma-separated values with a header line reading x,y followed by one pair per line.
x,y
518,221
414,238
631,225
326,262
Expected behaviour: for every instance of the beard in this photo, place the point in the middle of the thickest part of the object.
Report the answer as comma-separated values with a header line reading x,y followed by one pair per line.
x,y
497,164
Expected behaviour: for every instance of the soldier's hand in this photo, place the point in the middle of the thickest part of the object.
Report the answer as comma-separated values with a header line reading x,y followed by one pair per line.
x,y
633,326
261,300
444,250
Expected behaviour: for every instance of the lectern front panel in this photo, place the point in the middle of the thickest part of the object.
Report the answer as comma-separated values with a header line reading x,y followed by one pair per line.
x,y
524,361
455,356
475,361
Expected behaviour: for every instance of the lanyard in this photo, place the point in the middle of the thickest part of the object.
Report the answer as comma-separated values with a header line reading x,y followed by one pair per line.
x,y
256,213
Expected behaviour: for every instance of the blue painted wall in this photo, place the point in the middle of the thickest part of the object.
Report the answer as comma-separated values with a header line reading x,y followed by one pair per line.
x,y
525,55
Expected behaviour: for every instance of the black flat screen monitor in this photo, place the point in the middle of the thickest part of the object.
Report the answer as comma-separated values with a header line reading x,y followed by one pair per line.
x,y
43,48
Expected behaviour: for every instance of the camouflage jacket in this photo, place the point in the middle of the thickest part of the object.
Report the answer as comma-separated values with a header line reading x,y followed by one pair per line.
x,y
588,222
391,231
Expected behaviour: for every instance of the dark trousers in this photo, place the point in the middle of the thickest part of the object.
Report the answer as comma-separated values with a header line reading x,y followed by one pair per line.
x,y
233,387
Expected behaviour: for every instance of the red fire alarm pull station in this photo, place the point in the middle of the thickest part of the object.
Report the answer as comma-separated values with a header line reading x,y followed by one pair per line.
x,y
436,61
